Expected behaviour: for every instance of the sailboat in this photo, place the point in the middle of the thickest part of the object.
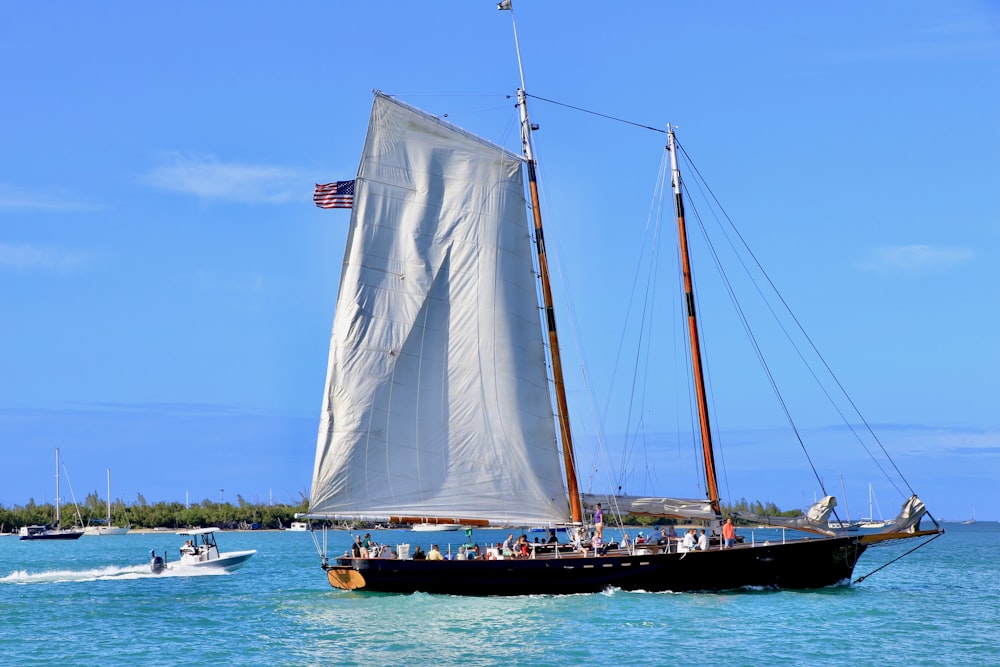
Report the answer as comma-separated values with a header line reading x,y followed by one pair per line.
x,y
438,404
845,524
107,528
55,532
871,522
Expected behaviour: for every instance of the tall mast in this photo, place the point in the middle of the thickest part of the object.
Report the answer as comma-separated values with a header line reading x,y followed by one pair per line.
x,y
109,497
562,409
576,510
711,481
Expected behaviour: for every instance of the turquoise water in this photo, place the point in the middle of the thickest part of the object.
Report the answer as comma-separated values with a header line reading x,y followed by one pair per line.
x,y
94,602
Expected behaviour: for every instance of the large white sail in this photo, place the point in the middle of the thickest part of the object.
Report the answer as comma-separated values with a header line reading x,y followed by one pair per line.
x,y
437,401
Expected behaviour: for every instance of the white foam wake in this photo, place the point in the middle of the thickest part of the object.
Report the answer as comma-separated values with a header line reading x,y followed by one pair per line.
x,y
110,573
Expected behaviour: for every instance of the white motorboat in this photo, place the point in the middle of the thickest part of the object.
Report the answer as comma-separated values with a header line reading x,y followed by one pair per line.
x,y
201,552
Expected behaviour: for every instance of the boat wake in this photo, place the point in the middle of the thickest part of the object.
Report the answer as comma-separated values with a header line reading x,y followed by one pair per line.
x,y
110,573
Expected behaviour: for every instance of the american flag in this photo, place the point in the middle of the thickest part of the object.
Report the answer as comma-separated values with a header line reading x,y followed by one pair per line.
x,y
334,195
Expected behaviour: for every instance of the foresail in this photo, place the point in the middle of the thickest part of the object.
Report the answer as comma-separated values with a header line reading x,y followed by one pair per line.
x,y
437,401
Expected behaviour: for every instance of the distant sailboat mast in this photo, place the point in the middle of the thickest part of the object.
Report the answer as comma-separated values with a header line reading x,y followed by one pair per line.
x,y
847,506
57,488
109,498
711,481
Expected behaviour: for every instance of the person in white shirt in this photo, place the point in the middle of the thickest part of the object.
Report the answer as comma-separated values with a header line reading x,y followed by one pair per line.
x,y
703,541
688,543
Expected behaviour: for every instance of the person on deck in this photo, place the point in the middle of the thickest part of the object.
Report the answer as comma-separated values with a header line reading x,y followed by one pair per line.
x,y
434,553
728,534
523,548
418,554
599,520
689,541
703,541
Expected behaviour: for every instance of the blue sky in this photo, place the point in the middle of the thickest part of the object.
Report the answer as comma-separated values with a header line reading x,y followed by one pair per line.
x,y
167,286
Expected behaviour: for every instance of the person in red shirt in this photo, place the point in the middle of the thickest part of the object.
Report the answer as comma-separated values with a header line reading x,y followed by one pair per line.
x,y
728,534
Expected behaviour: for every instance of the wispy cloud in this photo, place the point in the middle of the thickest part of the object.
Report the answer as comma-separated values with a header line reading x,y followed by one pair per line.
x,y
972,37
13,197
214,281
27,257
950,441
914,259
208,178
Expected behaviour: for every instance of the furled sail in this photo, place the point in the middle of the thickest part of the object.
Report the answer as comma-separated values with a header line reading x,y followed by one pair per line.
x,y
910,514
653,506
815,520
437,401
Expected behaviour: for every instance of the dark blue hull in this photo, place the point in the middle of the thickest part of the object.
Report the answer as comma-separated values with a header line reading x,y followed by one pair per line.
x,y
54,535
801,564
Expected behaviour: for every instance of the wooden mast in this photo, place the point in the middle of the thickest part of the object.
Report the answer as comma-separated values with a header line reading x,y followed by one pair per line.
x,y
562,409
711,480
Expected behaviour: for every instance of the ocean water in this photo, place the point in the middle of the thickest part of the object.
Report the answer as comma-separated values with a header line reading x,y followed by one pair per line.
x,y
94,602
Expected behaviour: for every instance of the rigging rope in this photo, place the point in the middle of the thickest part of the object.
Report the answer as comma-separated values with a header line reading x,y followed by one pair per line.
x,y
836,380
901,556
812,345
594,113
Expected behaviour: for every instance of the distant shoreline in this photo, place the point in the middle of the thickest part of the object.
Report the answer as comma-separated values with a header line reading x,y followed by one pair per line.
x,y
174,531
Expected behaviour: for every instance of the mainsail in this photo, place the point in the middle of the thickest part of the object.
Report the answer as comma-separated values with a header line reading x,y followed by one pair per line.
x,y
437,402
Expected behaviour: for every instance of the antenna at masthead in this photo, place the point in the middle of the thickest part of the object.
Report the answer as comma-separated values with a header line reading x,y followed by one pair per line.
x,y
505,5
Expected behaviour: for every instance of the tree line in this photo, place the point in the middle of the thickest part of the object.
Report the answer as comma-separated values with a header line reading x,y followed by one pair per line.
x,y
140,514
242,515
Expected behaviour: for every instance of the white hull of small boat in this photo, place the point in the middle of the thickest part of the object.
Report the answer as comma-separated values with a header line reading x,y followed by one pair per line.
x,y
434,527
226,562
106,530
